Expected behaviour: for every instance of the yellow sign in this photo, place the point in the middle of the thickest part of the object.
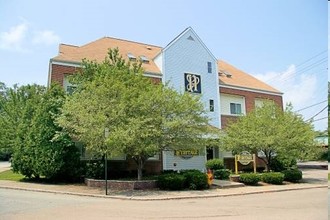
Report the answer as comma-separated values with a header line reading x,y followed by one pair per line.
x,y
245,158
186,153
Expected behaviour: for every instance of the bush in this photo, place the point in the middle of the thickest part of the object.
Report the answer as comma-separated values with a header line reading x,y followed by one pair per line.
x,y
273,178
280,163
222,174
95,169
171,181
5,154
249,178
215,164
195,180
294,175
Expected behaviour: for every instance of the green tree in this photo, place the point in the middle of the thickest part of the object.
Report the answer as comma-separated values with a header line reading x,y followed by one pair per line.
x,y
17,106
143,118
39,147
271,131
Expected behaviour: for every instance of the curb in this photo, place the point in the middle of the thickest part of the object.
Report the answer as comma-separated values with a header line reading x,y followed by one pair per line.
x,y
164,198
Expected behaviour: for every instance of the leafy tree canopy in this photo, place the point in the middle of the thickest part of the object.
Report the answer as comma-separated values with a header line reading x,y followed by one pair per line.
x,y
270,131
27,115
143,118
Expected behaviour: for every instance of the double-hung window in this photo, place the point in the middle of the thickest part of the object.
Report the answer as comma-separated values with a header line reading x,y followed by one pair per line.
x,y
211,105
209,67
235,108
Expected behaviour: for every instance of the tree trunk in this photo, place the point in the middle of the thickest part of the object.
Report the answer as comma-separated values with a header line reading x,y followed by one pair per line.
x,y
266,160
140,160
140,170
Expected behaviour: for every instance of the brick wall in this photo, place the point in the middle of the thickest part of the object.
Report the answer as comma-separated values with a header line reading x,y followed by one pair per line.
x,y
58,72
249,101
122,185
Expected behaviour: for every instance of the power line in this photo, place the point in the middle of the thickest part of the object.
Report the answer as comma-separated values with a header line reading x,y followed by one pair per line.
x,y
318,113
311,106
302,63
303,70
319,119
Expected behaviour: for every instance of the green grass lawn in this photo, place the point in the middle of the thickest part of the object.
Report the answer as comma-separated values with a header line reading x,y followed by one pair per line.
x,y
328,176
9,175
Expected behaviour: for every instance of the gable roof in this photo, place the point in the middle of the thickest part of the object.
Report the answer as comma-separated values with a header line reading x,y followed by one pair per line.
x,y
231,76
98,51
189,29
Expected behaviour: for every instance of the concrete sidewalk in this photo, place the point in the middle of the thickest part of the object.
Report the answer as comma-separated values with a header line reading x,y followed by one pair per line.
x,y
312,178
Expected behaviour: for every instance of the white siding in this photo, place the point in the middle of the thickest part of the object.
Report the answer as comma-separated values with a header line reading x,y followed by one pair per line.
x,y
227,99
158,60
191,56
195,162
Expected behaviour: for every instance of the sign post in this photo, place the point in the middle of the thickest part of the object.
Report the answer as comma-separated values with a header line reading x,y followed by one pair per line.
x,y
245,158
106,135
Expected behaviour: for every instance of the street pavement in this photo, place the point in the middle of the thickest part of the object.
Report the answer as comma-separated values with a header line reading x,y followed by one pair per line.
x,y
312,179
4,165
308,204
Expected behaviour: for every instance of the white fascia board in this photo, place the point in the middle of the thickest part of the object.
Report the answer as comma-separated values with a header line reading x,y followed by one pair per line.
x,y
49,73
154,75
251,90
65,63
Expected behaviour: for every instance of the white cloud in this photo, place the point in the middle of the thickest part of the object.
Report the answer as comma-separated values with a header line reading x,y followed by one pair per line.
x,y
298,89
20,38
13,39
45,37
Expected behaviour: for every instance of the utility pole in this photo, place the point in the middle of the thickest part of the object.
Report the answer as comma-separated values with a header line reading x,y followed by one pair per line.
x,y
106,135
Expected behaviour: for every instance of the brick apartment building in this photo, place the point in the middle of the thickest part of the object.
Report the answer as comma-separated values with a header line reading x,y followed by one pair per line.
x,y
226,91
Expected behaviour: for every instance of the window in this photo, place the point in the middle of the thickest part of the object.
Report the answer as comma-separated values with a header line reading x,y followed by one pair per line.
x,y
131,57
70,89
211,105
235,109
209,67
144,59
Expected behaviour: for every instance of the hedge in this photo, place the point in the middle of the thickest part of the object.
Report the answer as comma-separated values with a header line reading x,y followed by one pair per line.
x,y
186,179
195,180
294,175
222,174
215,164
273,178
249,178
171,181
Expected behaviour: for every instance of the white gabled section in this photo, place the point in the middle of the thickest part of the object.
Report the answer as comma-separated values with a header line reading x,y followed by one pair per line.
x,y
172,162
187,54
191,38
158,60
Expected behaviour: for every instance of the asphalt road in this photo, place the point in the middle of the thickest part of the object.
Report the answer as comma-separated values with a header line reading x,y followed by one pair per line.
x,y
300,204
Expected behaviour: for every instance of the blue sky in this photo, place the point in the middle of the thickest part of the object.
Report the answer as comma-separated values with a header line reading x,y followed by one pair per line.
x,y
283,42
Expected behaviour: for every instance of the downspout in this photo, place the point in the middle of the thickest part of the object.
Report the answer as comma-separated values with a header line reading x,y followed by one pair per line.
x,y
50,69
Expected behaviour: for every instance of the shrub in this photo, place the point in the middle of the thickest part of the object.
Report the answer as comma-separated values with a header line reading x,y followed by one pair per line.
x,y
222,174
171,181
195,179
215,164
95,169
249,178
280,163
273,178
294,175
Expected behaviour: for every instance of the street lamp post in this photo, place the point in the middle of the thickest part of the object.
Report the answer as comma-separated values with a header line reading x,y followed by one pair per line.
x,y
106,135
